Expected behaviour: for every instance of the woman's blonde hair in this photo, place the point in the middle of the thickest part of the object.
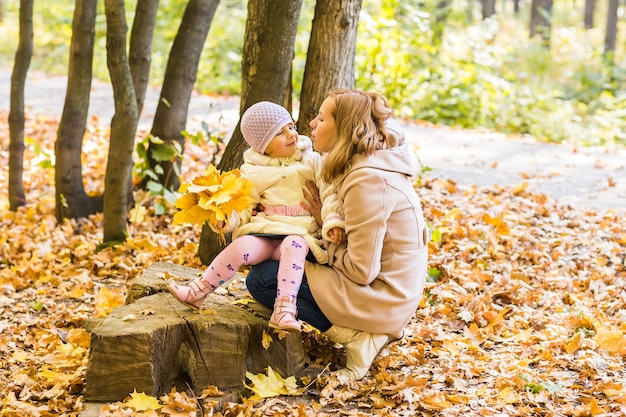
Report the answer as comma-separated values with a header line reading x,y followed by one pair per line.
x,y
360,118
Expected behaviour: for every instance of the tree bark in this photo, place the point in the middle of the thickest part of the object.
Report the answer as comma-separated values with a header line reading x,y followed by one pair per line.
x,y
589,11
180,76
23,55
330,57
540,20
488,8
123,125
610,38
268,52
140,54
71,199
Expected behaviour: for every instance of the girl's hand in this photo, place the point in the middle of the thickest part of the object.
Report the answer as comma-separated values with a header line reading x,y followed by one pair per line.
x,y
258,209
313,203
337,235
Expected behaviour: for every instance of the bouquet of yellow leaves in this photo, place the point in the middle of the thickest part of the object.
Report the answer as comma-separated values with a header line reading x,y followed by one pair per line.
x,y
212,198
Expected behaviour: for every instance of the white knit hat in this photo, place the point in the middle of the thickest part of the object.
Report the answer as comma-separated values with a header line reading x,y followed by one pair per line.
x,y
261,122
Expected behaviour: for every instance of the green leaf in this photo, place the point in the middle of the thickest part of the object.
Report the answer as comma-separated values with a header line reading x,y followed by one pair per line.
x,y
164,152
154,187
433,275
36,305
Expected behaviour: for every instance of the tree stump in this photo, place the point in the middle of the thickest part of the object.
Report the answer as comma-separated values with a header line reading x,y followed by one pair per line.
x,y
153,343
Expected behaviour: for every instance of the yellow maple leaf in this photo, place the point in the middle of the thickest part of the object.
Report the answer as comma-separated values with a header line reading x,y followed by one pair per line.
x,y
613,340
106,300
21,356
137,214
212,197
139,401
79,337
266,340
574,343
272,385
54,377
436,401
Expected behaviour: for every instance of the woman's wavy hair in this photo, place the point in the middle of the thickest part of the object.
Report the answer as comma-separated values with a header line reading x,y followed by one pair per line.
x,y
360,118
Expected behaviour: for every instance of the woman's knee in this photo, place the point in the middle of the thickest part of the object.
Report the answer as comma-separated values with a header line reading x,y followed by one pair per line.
x,y
262,276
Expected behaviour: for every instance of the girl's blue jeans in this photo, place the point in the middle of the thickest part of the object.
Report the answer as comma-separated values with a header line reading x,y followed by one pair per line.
x,y
262,283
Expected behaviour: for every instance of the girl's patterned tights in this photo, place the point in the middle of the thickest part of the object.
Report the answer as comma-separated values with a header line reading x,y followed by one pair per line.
x,y
252,250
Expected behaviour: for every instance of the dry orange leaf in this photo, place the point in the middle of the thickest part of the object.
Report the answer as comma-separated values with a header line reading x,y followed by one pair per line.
x,y
574,343
612,340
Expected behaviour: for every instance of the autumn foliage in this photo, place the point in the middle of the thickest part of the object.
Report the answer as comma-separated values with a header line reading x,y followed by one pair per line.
x,y
524,312
212,197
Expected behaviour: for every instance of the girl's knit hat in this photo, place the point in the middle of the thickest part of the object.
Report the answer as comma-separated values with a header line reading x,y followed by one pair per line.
x,y
261,122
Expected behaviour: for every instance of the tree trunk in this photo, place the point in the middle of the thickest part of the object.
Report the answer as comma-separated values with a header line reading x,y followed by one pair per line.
x,y
330,57
140,54
610,38
516,6
71,199
441,13
540,21
268,52
589,11
123,125
180,76
23,55
488,8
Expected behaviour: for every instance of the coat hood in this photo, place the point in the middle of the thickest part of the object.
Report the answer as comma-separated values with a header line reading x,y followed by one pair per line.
x,y
394,159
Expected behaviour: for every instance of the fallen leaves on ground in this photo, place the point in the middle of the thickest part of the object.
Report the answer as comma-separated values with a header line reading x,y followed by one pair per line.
x,y
524,313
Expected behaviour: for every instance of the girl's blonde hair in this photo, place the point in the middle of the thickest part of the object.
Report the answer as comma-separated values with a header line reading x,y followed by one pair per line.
x,y
360,118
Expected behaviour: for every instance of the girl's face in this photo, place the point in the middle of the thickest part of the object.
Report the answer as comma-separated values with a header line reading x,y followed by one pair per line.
x,y
284,143
324,126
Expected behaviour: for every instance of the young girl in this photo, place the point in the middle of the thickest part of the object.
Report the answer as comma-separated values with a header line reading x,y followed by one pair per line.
x,y
279,163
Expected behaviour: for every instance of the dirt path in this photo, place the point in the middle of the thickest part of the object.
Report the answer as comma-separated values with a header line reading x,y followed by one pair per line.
x,y
590,177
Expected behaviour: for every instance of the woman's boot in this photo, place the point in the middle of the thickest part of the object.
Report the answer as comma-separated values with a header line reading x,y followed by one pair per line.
x,y
361,349
284,314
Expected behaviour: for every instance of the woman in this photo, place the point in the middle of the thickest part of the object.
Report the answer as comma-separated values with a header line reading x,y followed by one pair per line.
x,y
373,282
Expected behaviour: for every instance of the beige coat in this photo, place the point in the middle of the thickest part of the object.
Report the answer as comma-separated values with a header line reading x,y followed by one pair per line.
x,y
374,281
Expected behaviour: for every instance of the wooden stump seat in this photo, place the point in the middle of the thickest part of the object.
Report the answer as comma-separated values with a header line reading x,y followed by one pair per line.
x,y
153,343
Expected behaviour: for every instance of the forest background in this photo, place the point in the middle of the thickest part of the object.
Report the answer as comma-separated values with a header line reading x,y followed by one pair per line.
x,y
443,65
489,338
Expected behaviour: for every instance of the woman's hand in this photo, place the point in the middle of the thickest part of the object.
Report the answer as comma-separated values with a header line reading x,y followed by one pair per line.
x,y
313,203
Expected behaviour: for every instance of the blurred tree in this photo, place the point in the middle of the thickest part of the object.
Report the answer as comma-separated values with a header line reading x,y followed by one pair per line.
x,y
71,199
23,56
610,37
140,53
123,125
540,20
488,8
268,52
170,118
441,13
330,56
589,11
